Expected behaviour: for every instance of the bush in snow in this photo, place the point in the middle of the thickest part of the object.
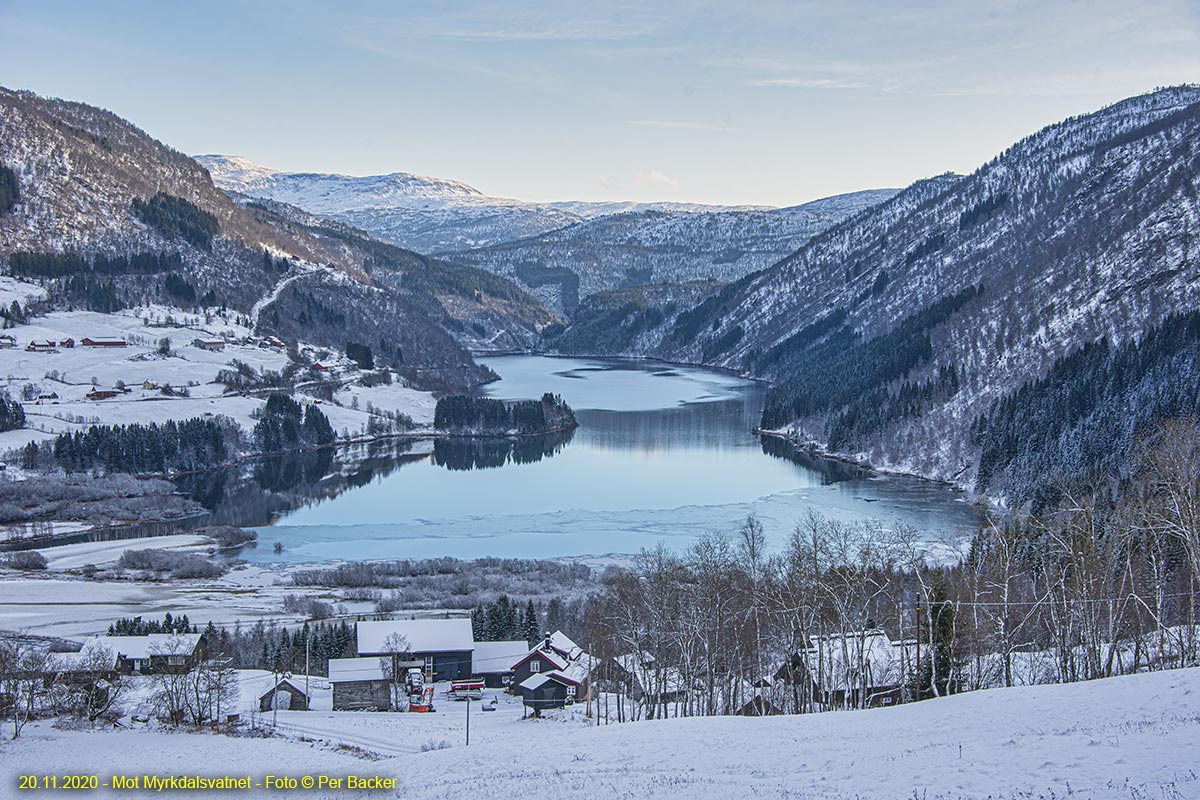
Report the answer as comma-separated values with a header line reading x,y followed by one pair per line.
x,y
25,559
179,565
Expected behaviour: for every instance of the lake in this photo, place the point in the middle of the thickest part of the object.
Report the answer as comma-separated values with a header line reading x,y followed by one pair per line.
x,y
662,453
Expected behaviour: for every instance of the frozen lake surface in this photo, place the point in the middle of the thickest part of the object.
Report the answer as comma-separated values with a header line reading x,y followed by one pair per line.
x,y
662,453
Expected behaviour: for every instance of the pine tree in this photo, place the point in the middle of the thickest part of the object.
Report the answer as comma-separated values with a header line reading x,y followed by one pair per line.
x,y
533,630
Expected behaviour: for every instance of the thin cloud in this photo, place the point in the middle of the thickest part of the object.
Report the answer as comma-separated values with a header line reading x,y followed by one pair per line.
x,y
654,176
680,125
563,33
811,83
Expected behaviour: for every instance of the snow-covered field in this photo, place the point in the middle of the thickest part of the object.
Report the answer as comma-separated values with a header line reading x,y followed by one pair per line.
x,y
1130,737
74,607
63,378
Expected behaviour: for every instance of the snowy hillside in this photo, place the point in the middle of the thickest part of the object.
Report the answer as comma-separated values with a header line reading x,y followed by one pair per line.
x,y
646,245
1118,739
965,288
107,218
331,194
558,251
423,214
59,386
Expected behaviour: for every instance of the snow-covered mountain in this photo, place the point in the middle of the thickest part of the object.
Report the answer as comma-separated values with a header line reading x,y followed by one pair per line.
x,y
892,335
92,186
558,251
428,215
332,194
648,245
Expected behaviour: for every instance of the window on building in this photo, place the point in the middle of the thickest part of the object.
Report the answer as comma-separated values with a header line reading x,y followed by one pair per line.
x,y
570,691
535,666
428,665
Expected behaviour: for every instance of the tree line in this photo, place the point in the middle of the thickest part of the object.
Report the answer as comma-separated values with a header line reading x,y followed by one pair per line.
x,y
1083,416
504,620
174,216
171,446
12,414
10,189
840,371
286,425
1103,583
59,265
468,414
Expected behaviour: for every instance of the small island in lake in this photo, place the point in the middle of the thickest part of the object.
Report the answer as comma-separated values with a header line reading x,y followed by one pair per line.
x,y
465,415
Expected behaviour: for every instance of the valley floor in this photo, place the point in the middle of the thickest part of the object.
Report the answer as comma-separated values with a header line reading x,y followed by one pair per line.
x,y
1130,737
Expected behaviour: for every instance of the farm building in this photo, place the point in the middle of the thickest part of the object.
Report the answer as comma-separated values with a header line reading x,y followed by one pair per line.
x,y
861,669
101,394
94,657
212,345
92,669
758,706
7,341
284,696
557,658
493,661
359,684
548,690
155,652
442,647
536,662
40,346
90,342
67,343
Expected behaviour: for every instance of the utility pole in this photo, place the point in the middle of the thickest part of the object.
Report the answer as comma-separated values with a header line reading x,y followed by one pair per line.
x,y
307,672
468,721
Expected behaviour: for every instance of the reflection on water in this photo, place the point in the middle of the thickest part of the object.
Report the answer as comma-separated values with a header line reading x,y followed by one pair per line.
x,y
661,454
831,470
466,454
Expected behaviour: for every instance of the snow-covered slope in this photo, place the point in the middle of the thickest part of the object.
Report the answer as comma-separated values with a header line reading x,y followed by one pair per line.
x,y
84,173
332,194
1115,739
662,244
423,214
559,251
1084,230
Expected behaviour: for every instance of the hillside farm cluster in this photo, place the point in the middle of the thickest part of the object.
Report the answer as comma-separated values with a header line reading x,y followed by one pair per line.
x,y
73,369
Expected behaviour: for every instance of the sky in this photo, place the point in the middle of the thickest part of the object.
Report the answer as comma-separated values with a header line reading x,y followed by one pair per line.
x,y
772,103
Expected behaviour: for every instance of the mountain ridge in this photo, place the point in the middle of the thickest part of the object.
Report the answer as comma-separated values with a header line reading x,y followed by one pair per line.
x,y
557,251
95,189
950,296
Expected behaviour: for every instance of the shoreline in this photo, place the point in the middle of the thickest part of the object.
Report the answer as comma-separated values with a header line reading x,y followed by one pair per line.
x,y
863,465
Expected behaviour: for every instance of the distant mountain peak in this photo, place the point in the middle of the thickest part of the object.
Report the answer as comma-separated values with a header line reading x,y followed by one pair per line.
x,y
330,193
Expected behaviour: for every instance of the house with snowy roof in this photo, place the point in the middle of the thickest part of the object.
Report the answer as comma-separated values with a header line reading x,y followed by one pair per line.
x,y
493,661
555,673
360,684
548,690
857,669
443,647
94,660
535,662
156,652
